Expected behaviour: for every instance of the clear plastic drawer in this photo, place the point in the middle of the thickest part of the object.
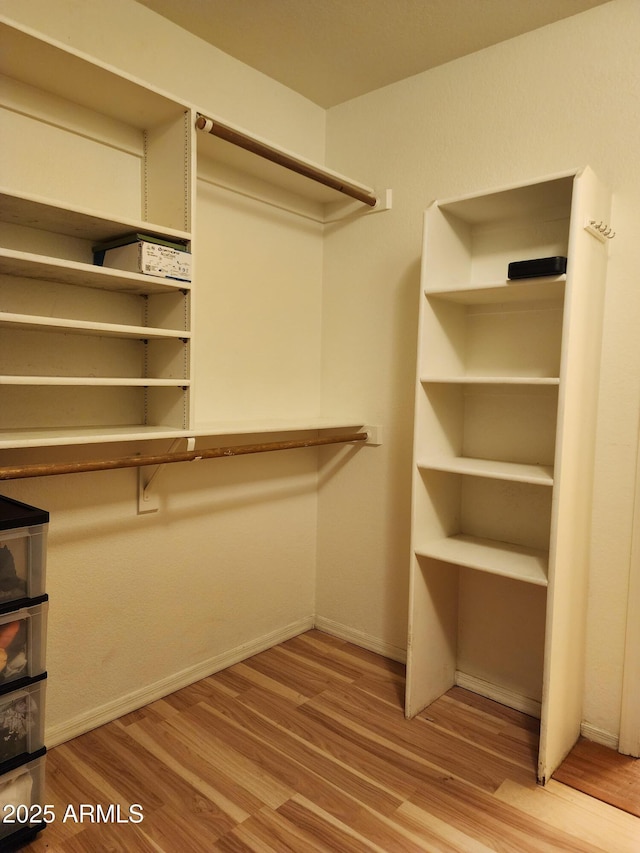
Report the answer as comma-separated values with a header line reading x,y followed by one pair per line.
x,y
23,550
22,721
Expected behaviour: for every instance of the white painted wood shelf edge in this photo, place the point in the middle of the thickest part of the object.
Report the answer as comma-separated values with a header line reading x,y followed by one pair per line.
x,y
508,290
51,437
127,381
468,379
541,475
34,322
42,267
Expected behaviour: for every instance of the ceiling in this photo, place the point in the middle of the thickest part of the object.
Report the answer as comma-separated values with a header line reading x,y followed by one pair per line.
x,y
333,50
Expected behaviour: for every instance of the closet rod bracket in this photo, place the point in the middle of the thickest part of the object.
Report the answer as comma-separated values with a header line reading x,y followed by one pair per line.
x,y
374,435
148,499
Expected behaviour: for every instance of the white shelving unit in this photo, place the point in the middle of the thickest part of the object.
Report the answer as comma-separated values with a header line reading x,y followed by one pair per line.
x,y
90,155
505,419
102,329
90,354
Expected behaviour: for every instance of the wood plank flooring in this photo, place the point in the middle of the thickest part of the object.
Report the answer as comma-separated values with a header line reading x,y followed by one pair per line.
x,y
305,748
603,773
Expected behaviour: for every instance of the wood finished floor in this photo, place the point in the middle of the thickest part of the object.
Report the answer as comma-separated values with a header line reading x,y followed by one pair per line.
x,y
304,748
603,773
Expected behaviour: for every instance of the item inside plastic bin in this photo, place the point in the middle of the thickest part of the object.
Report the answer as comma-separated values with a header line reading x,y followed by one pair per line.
x,y
11,584
16,719
16,791
13,649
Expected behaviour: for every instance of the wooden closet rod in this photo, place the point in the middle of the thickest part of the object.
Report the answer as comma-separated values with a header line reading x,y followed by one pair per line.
x,y
19,472
285,160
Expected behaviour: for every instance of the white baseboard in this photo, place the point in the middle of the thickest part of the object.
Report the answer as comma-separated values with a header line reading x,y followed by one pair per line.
x,y
152,692
499,694
599,735
359,638
139,698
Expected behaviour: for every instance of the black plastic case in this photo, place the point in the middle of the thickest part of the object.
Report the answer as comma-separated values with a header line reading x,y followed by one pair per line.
x,y
537,267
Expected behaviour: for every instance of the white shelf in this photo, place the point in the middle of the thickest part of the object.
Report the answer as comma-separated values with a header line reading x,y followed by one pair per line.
x,y
48,215
56,68
28,265
52,437
491,380
523,290
541,475
83,327
24,438
487,555
270,425
94,381
518,202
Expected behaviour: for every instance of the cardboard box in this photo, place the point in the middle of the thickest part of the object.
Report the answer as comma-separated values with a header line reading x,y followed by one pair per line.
x,y
150,259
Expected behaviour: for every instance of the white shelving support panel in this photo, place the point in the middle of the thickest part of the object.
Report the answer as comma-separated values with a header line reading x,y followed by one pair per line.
x,y
506,389
563,677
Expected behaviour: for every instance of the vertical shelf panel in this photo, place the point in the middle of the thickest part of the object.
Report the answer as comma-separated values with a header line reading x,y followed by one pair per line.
x,y
167,173
577,410
432,642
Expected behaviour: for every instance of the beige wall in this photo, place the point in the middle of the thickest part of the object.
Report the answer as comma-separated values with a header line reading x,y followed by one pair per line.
x,y
562,97
137,601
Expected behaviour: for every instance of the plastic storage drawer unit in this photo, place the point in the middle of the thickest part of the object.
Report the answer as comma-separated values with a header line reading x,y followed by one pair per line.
x,y
23,549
